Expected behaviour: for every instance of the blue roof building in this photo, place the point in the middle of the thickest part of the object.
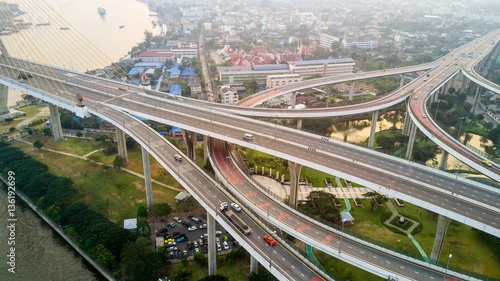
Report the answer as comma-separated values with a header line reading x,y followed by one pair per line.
x,y
136,71
188,71
176,89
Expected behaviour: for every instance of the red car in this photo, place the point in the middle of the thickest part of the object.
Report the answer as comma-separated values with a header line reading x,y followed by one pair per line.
x,y
270,240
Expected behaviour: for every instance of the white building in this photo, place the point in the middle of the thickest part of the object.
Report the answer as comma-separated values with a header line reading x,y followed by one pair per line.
x,y
326,40
326,67
362,44
228,96
274,81
156,56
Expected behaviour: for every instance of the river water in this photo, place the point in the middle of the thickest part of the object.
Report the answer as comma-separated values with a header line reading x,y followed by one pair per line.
x,y
40,253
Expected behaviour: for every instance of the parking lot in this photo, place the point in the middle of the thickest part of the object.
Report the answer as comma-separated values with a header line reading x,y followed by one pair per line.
x,y
185,235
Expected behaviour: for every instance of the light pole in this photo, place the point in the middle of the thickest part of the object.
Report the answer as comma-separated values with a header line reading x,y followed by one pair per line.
x,y
447,264
458,172
271,253
460,128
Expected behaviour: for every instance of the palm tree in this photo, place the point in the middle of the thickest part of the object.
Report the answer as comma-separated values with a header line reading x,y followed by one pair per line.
x,y
376,197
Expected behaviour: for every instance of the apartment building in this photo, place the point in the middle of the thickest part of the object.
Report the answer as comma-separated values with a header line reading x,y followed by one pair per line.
x,y
325,67
274,81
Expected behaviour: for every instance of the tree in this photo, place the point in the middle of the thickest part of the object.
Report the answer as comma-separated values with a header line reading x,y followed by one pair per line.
x,y
181,274
216,277
12,129
376,197
142,212
323,205
134,260
104,257
118,162
38,144
160,209
79,134
47,131
262,275
186,204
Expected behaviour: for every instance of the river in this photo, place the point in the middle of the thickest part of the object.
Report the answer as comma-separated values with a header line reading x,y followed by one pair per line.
x,y
40,253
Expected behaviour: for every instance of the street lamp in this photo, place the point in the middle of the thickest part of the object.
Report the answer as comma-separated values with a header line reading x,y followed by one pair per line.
x,y
460,128
271,253
458,172
447,264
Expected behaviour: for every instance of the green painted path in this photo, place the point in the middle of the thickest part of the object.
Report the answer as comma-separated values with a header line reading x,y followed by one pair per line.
x,y
419,248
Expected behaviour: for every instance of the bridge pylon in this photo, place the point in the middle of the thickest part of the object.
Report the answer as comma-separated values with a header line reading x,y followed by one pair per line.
x,y
55,122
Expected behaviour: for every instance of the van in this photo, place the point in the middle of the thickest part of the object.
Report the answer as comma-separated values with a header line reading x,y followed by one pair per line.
x,y
248,136
178,158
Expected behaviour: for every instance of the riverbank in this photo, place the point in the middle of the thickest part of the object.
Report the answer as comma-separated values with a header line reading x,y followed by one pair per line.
x,y
61,233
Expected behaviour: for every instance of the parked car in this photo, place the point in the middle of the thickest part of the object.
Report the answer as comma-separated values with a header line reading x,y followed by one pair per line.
x,y
487,163
203,226
196,250
192,228
176,234
187,224
195,244
225,245
178,220
204,235
182,239
218,233
171,225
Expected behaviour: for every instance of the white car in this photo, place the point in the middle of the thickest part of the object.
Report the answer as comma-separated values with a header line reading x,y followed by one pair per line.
x,y
192,228
178,220
223,206
226,246
236,207
203,226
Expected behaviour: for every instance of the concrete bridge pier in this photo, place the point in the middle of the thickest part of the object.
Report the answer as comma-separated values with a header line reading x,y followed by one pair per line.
x,y
463,87
411,141
4,96
294,169
121,144
55,122
371,140
212,259
401,80
406,124
477,97
435,96
444,159
294,100
190,140
442,227
254,264
147,177
206,149
351,92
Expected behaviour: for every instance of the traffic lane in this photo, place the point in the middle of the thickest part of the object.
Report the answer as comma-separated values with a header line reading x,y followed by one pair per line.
x,y
301,152
328,238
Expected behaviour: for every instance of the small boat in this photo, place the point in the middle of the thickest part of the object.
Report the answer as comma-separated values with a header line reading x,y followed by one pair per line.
x,y
101,11
121,26
64,28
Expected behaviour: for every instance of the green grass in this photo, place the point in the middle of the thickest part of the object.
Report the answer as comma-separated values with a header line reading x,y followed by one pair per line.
x,y
98,186
31,110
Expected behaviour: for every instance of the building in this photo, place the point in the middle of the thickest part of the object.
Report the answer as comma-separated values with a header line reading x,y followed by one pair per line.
x,y
237,75
327,40
156,56
228,96
362,44
274,81
326,67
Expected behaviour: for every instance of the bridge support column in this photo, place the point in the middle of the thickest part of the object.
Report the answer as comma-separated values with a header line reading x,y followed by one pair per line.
x,y
411,141
477,97
351,92
442,227
4,96
294,99
254,264
121,144
371,140
406,124
206,151
55,122
402,81
463,88
147,177
446,88
444,159
190,140
299,124
294,169
212,259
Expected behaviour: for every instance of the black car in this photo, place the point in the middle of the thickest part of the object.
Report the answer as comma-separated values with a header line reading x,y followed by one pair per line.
x,y
187,224
163,230
176,234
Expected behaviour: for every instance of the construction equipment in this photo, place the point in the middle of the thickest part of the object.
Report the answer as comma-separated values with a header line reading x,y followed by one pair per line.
x,y
79,99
